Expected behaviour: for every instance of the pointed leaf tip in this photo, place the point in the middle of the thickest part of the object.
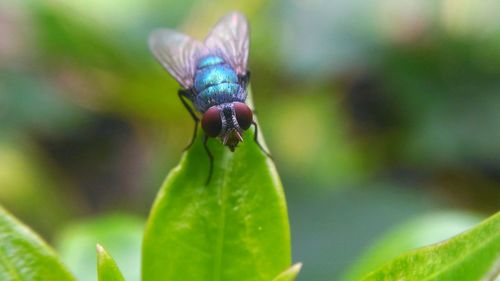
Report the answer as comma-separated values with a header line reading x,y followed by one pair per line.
x,y
107,270
236,228
290,274
99,249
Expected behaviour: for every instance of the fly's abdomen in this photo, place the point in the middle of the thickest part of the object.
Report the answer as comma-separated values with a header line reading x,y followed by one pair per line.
x,y
215,82
220,93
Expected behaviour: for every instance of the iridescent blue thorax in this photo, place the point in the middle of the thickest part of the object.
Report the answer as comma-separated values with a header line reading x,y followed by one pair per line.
x,y
215,83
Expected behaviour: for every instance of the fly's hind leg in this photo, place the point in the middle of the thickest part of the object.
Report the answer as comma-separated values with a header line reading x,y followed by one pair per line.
x,y
256,139
182,95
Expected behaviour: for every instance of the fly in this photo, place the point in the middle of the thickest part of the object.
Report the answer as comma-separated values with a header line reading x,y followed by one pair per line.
x,y
213,76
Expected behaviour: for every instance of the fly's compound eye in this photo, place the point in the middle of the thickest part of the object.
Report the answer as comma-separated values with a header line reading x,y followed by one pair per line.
x,y
211,122
244,115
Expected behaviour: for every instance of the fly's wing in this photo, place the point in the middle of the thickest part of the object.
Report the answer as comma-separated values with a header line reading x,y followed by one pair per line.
x,y
229,38
177,53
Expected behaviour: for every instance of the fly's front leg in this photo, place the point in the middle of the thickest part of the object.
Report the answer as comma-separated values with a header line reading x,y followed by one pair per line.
x,y
182,95
210,158
256,139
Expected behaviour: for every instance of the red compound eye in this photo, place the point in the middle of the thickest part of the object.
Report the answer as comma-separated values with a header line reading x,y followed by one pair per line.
x,y
244,115
211,122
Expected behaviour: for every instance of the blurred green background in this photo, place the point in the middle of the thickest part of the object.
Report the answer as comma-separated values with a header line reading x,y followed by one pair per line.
x,y
377,112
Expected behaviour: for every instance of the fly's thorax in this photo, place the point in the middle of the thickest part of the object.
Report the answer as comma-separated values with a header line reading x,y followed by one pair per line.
x,y
209,60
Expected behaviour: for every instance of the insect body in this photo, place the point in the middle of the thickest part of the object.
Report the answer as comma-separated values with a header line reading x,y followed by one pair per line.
x,y
213,76
216,82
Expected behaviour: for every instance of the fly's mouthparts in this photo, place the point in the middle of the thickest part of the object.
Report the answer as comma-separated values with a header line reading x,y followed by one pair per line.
x,y
238,135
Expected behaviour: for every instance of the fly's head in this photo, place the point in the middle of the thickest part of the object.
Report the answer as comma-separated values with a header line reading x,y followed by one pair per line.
x,y
228,122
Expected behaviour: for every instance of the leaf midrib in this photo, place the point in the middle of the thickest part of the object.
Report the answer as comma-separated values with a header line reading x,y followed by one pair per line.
x,y
222,219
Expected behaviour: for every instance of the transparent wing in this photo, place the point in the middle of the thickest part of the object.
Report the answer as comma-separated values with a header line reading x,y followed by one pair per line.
x,y
177,53
229,37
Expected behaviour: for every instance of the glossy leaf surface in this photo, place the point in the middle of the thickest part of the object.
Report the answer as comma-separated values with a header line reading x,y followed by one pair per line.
x,y
25,256
416,233
472,255
236,228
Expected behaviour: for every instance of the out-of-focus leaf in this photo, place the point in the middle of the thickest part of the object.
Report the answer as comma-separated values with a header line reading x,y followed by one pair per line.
x,y
234,228
121,234
325,243
289,274
327,156
107,270
30,103
470,256
413,234
24,256
29,188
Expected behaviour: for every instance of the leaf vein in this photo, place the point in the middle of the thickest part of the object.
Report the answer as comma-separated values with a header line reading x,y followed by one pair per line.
x,y
222,221
10,268
464,257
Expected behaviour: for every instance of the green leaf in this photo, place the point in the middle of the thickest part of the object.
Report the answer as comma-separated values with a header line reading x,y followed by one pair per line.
x,y
120,233
421,231
25,256
236,228
107,270
472,255
289,274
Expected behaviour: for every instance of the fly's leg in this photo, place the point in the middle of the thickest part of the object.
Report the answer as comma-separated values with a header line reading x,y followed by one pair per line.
x,y
256,139
184,94
210,158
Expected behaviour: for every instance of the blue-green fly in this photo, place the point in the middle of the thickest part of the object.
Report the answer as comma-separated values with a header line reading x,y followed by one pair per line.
x,y
213,76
